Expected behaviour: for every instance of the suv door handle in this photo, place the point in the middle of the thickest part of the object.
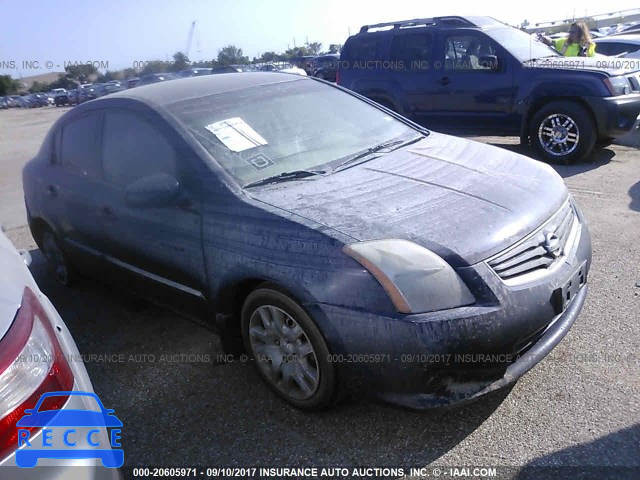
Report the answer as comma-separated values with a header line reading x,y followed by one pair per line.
x,y
52,190
106,212
444,81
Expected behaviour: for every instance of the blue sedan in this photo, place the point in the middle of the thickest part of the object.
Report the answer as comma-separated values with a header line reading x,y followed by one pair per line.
x,y
345,248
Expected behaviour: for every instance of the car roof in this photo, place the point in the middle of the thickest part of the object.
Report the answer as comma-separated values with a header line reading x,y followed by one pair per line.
x,y
633,38
165,93
433,22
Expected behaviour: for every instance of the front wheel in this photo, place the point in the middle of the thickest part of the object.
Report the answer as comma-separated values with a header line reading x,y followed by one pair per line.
x,y
289,351
563,132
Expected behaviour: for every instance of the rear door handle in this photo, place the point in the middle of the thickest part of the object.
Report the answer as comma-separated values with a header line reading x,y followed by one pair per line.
x,y
444,81
106,212
52,190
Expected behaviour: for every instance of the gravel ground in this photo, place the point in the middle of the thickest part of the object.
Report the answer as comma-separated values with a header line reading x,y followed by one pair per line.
x,y
579,407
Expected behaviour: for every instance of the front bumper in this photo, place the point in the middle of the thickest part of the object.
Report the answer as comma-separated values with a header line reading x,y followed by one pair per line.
x,y
453,356
615,116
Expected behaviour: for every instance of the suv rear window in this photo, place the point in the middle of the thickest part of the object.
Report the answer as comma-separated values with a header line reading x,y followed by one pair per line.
x,y
411,48
360,48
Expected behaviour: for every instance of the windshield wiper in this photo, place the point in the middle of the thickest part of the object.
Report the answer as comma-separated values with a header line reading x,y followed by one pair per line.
x,y
376,149
284,176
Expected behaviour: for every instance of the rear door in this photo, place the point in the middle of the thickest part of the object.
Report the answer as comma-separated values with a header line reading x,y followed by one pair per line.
x,y
471,94
71,187
411,67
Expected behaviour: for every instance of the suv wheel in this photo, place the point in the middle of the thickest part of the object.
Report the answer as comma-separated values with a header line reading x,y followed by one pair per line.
x,y
57,260
563,132
289,350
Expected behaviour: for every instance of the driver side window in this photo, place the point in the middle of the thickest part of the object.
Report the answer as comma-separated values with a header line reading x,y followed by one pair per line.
x,y
467,52
133,149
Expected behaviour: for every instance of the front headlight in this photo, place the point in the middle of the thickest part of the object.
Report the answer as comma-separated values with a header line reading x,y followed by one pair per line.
x,y
618,85
416,279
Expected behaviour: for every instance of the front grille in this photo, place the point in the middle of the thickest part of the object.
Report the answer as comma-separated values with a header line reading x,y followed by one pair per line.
x,y
533,253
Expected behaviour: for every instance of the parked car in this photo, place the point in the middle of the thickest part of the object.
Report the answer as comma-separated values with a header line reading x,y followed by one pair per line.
x,y
282,67
618,45
19,101
112,87
35,352
225,69
38,100
60,97
132,82
325,67
4,103
155,78
303,62
345,234
194,72
476,75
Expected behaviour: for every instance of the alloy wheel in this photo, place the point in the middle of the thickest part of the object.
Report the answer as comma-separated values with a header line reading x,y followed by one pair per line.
x,y
283,352
558,135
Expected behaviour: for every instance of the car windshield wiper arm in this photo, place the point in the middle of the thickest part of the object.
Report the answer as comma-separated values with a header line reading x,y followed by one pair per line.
x,y
284,176
376,149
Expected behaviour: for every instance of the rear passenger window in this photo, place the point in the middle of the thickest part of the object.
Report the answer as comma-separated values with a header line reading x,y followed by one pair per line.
x,y
362,48
133,149
78,152
411,49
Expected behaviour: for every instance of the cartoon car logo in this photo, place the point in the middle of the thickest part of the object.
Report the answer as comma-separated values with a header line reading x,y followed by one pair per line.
x,y
65,421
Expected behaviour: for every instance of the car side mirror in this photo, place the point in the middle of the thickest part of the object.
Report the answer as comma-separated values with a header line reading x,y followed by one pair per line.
x,y
154,191
490,62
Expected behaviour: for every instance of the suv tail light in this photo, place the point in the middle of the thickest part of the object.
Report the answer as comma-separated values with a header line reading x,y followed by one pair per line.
x,y
32,363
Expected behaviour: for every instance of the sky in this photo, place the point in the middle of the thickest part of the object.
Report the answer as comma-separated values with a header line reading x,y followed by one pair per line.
x,y
41,37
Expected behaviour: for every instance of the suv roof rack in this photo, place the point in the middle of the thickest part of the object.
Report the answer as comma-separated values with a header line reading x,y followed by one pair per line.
x,y
419,22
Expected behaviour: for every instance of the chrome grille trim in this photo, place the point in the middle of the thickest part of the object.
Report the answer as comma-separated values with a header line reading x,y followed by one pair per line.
x,y
530,258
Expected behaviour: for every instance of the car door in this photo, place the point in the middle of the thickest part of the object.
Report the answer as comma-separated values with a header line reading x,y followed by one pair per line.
x,y
72,184
411,63
474,84
161,243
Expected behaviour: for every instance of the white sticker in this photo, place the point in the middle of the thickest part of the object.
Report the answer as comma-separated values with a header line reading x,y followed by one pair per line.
x,y
236,135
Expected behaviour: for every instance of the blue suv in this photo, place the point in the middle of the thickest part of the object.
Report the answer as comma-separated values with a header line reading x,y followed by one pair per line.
x,y
475,75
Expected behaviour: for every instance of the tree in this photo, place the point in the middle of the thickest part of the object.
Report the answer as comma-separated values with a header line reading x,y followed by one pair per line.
x,y
154,66
110,75
81,72
231,55
335,48
180,62
8,85
63,81
314,48
38,87
268,57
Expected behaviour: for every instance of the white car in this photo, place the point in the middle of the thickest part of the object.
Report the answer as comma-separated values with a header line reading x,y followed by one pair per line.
x,y
38,355
282,67
619,45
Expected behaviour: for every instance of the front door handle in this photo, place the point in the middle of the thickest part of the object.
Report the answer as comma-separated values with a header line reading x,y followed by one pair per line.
x,y
52,190
444,81
106,212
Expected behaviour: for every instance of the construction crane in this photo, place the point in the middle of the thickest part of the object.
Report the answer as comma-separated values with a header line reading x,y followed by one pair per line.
x,y
190,38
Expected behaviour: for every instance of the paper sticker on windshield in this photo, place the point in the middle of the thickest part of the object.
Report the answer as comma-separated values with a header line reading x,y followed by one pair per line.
x,y
236,134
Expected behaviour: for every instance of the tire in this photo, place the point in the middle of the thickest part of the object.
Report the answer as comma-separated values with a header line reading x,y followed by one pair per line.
x,y
562,132
59,266
274,326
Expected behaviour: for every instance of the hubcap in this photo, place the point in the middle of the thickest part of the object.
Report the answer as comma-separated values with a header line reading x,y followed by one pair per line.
x,y
55,258
283,352
559,135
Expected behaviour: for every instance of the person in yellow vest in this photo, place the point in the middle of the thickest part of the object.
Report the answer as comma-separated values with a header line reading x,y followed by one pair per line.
x,y
577,44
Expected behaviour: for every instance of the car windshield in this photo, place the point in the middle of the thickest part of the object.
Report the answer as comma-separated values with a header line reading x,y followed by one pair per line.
x,y
261,132
521,45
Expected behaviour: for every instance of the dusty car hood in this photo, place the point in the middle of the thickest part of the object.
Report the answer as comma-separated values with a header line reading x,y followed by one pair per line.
x,y
463,200
14,277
